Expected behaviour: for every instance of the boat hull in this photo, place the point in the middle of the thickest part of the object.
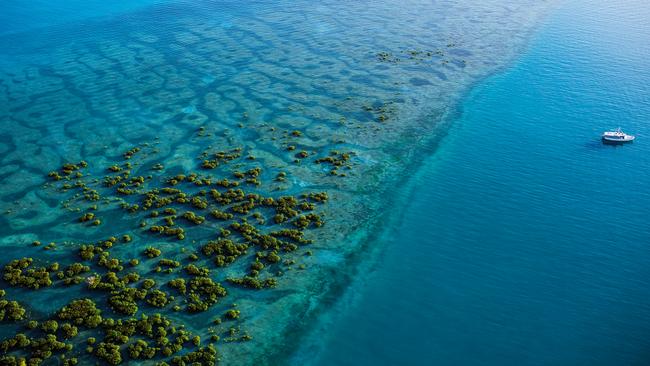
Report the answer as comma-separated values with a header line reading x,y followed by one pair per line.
x,y
617,141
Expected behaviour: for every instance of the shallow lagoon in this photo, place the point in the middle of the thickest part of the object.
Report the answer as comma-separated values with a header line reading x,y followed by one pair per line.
x,y
192,77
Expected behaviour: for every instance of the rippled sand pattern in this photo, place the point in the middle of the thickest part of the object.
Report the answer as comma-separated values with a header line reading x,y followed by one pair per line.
x,y
250,75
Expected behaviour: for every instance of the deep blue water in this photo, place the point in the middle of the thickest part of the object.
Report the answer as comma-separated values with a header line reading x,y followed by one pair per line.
x,y
525,241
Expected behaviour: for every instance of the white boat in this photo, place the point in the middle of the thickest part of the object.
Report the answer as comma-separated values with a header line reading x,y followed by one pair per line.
x,y
617,136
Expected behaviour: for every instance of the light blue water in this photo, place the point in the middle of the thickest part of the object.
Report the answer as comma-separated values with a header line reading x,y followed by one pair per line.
x,y
526,241
18,16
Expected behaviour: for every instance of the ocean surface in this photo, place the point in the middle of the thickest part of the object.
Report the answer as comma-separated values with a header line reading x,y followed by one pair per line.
x,y
19,16
471,218
524,239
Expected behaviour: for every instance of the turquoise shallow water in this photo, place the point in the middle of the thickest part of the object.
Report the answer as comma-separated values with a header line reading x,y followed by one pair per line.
x,y
525,240
301,101
18,17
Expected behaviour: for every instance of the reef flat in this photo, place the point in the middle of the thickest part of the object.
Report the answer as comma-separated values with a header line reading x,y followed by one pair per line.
x,y
185,183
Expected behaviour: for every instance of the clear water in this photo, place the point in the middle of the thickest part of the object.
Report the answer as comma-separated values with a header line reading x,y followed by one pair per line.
x,y
18,16
525,241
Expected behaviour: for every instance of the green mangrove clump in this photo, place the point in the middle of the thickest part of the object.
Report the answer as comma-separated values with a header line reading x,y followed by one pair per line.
x,y
191,216
273,257
148,283
18,273
199,202
87,217
203,293
225,251
125,301
169,263
254,282
220,215
11,310
68,331
50,326
129,154
204,356
152,252
157,298
141,350
109,352
319,197
232,314
81,312
178,284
